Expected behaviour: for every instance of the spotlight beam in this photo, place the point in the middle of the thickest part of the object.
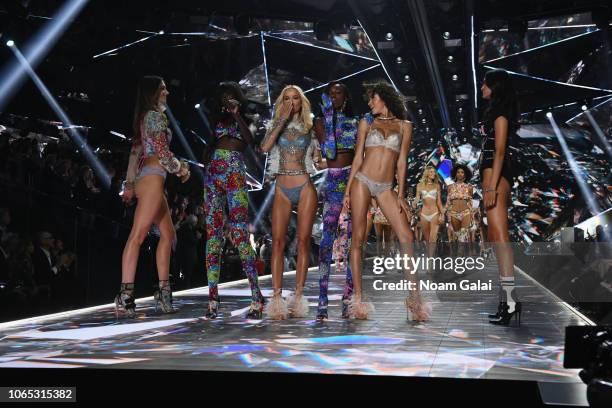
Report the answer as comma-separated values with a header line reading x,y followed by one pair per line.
x,y
123,46
320,47
181,137
378,56
596,106
420,20
205,120
600,134
553,82
473,54
265,67
265,205
578,174
540,47
343,78
200,138
72,130
37,48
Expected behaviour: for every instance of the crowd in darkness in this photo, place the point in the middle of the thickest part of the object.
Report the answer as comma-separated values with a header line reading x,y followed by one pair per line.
x,y
50,199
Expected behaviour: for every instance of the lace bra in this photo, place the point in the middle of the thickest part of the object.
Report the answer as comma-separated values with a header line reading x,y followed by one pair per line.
x,y
376,138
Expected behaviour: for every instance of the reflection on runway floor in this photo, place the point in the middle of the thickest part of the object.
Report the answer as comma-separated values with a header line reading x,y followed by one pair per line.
x,y
457,341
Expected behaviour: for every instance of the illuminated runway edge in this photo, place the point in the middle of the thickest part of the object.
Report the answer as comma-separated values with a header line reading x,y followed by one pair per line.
x,y
457,341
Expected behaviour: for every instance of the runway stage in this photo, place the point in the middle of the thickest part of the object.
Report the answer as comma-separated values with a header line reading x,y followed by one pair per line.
x,y
458,342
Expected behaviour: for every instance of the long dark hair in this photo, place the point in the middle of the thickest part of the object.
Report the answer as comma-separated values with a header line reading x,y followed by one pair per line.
x,y
225,90
392,98
147,95
503,96
348,105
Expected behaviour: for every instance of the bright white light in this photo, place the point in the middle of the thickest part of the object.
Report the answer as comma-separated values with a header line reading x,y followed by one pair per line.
x,y
10,43
72,130
197,106
122,136
38,46
161,32
389,36
549,115
584,107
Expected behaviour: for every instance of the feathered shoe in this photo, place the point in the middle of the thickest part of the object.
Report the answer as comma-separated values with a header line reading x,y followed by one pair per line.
x,y
359,309
276,308
298,305
419,310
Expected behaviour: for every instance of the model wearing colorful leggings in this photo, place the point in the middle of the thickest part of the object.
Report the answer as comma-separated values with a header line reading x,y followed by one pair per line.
x,y
226,183
336,130
332,195
226,180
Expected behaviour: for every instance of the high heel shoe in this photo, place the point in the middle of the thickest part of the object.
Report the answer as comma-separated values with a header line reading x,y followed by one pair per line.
x,y
359,309
125,300
322,309
418,309
499,310
276,308
213,309
163,299
504,316
257,308
322,314
297,304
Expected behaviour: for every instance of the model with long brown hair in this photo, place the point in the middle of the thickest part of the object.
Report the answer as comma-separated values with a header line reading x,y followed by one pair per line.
x,y
150,161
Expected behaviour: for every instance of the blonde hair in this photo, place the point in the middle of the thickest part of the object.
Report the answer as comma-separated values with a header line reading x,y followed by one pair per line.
x,y
425,176
305,114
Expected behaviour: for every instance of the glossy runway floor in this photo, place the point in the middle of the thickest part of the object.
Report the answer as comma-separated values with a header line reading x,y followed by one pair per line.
x,y
457,341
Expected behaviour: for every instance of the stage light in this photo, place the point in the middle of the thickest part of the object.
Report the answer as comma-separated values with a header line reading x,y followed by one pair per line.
x,y
446,35
40,44
420,111
602,136
72,130
460,110
407,78
584,107
161,32
389,37
424,120
461,120
197,106
427,129
450,58
399,60
455,77
183,140
579,174
10,43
